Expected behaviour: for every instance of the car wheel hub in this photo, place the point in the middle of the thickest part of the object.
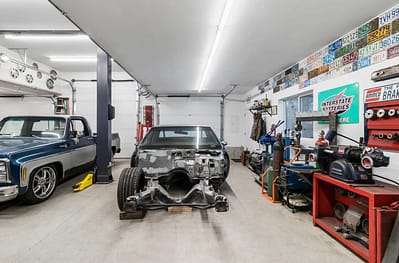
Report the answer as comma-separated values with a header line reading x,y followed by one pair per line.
x,y
44,182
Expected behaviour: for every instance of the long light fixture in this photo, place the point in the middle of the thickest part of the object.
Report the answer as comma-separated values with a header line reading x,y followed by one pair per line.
x,y
46,37
72,58
222,23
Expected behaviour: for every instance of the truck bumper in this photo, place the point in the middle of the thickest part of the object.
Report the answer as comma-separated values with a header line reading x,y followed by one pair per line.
x,y
8,192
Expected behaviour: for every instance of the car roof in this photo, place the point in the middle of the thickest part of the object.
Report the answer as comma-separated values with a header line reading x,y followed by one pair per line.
x,y
183,126
36,115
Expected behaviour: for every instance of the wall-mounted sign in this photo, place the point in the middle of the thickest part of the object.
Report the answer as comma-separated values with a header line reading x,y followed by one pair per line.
x,y
382,93
343,101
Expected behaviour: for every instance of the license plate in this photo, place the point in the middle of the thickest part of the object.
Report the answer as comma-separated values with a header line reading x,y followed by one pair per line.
x,y
374,24
379,57
393,52
317,63
379,34
395,26
348,68
323,69
328,59
349,58
361,43
388,16
334,46
369,50
336,64
363,30
343,51
349,38
313,73
311,58
295,68
364,62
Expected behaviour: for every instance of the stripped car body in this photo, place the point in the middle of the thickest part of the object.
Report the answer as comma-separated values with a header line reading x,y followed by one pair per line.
x,y
170,155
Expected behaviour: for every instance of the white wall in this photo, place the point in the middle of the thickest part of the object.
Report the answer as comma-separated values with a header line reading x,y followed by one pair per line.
x,y
204,111
123,99
363,78
355,131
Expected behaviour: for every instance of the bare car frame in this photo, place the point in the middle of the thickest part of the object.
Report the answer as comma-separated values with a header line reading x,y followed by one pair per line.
x,y
174,157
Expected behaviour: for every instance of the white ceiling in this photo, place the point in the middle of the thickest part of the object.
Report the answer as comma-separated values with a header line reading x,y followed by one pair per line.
x,y
41,15
166,43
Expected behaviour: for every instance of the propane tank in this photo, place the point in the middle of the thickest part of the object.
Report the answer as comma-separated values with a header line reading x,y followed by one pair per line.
x,y
278,155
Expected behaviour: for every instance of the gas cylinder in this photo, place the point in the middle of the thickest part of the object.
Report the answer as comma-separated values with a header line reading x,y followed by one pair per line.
x,y
278,155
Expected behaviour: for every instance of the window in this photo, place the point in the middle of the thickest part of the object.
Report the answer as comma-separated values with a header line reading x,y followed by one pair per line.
x,y
78,127
38,127
12,127
299,104
306,105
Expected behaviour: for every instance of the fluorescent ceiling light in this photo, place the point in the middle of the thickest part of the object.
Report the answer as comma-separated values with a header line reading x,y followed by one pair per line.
x,y
222,23
46,37
73,58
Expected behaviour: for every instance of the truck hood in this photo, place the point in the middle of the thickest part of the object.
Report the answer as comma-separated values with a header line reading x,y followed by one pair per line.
x,y
10,145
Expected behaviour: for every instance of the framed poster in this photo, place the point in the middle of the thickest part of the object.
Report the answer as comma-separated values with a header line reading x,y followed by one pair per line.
x,y
274,110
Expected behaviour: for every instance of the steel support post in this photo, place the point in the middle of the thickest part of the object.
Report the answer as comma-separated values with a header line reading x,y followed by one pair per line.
x,y
104,116
222,118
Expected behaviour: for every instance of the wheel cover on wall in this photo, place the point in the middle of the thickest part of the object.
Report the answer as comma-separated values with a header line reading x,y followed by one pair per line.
x,y
44,181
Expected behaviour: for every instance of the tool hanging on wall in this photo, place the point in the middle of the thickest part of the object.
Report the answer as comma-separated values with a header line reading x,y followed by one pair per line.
x,y
385,73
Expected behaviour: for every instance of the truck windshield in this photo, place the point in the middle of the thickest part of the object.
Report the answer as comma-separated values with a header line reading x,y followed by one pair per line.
x,y
39,127
181,136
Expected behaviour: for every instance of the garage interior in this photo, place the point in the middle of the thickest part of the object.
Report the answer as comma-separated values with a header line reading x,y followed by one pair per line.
x,y
300,91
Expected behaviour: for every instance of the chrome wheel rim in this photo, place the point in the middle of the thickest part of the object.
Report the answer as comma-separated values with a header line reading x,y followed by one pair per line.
x,y
44,181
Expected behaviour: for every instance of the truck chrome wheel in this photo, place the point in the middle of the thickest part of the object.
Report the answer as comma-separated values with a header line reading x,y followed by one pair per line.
x,y
43,182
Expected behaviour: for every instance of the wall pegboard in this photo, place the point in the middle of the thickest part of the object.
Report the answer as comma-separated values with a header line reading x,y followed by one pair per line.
x,y
381,113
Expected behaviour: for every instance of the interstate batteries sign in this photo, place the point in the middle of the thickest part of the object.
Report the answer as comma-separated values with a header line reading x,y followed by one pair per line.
x,y
383,93
343,101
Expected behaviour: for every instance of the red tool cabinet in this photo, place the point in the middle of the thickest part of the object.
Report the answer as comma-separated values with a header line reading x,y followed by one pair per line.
x,y
374,197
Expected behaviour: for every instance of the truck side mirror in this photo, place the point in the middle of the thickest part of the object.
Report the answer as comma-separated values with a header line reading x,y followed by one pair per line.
x,y
73,134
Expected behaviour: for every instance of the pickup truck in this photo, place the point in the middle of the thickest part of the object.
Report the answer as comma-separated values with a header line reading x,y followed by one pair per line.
x,y
37,152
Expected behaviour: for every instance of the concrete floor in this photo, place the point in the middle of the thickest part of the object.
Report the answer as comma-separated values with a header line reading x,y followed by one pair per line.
x,y
85,227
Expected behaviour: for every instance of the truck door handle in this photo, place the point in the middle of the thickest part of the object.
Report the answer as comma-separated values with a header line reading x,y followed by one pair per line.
x,y
64,145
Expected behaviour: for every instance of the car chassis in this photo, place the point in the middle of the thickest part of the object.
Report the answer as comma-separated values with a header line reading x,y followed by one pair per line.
x,y
143,188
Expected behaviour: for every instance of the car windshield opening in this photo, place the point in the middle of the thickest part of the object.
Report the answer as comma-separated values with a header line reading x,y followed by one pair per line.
x,y
186,137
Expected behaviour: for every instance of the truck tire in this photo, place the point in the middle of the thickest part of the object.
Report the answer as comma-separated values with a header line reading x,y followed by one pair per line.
x,y
42,184
131,182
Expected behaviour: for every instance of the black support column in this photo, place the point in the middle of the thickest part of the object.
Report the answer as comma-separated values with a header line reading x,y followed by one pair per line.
x,y
104,116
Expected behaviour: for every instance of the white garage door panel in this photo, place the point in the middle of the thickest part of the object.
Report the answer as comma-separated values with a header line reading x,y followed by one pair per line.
x,y
191,112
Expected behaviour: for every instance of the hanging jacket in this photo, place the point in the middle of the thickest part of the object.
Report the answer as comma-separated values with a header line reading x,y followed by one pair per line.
x,y
258,127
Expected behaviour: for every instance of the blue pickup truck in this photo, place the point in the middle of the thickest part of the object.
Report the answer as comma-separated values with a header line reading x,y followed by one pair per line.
x,y
36,152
